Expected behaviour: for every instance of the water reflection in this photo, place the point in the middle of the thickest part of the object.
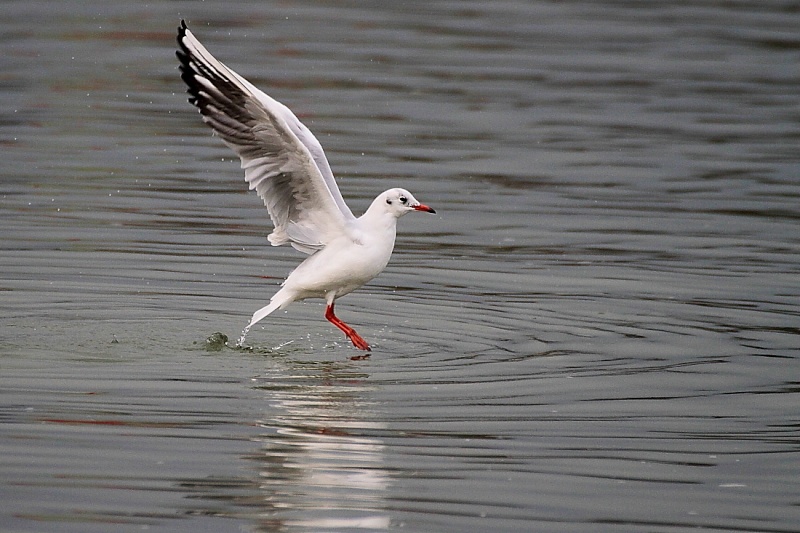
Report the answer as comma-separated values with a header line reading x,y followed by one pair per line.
x,y
321,466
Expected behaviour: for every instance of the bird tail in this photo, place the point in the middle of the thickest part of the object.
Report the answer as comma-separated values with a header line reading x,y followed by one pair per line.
x,y
278,301
262,313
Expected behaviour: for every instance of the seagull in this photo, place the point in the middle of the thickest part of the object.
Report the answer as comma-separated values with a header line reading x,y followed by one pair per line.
x,y
285,164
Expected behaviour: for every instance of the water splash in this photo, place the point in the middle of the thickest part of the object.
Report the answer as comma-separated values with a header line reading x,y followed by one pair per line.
x,y
216,342
240,342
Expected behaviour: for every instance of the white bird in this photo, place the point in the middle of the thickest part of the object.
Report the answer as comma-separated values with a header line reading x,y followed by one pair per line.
x,y
285,164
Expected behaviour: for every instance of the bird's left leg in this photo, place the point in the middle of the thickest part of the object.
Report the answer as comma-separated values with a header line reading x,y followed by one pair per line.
x,y
354,337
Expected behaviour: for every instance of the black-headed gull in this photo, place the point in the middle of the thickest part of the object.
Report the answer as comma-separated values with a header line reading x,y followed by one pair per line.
x,y
285,164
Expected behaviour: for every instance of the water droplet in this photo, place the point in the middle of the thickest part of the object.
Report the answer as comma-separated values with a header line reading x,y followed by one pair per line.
x,y
240,342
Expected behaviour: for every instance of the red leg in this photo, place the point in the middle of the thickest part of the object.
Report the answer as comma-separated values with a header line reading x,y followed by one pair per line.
x,y
354,337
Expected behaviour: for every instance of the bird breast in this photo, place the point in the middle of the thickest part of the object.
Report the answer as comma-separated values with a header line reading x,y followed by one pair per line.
x,y
342,266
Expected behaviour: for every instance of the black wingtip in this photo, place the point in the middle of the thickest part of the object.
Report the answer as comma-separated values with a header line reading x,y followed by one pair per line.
x,y
182,54
182,29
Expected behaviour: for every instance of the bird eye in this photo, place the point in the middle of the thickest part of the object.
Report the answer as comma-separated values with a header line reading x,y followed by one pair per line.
x,y
403,199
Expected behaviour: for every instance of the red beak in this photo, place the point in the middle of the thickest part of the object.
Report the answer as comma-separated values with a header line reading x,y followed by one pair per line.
x,y
423,207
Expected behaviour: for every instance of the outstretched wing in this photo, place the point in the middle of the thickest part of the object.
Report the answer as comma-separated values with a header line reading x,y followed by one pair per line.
x,y
281,158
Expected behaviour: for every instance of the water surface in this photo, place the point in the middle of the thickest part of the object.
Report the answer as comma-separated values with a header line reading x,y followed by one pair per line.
x,y
598,331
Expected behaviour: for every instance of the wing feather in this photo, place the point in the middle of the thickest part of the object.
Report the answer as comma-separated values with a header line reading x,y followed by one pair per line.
x,y
282,160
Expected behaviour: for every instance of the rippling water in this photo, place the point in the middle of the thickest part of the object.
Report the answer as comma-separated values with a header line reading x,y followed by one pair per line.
x,y
597,332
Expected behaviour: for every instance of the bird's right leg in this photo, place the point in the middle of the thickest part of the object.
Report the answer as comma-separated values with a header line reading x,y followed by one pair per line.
x,y
354,337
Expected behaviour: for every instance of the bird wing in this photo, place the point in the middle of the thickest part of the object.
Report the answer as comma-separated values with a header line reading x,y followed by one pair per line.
x,y
281,158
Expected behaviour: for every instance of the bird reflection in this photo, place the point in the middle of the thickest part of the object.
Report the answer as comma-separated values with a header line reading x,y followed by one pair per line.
x,y
322,464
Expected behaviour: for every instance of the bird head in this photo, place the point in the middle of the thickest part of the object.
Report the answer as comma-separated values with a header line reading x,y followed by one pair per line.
x,y
399,202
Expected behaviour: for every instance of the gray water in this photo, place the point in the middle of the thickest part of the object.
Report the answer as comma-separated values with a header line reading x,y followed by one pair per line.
x,y
598,331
